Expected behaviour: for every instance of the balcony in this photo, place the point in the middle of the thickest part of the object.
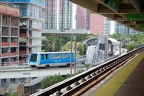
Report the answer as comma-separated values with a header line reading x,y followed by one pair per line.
x,y
4,33
30,43
22,43
22,61
4,43
22,52
12,63
14,53
14,44
5,54
14,34
22,34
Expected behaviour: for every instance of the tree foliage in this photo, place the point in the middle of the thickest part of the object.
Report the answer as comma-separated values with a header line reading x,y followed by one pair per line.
x,y
130,42
57,43
50,80
79,47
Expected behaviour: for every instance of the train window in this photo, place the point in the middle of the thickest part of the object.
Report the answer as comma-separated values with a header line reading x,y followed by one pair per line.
x,y
33,57
66,55
57,55
42,56
51,56
46,56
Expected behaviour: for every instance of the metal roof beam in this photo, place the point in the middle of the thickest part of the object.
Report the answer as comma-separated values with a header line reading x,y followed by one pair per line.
x,y
136,4
91,5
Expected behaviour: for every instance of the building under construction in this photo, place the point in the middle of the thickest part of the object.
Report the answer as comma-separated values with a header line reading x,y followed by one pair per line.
x,y
20,34
9,34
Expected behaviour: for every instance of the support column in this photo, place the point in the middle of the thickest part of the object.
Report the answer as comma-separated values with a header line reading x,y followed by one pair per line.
x,y
7,83
0,83
17,81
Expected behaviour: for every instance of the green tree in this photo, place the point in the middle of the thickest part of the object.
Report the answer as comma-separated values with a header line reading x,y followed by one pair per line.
x,y
50,80
51,44
79,47
130,42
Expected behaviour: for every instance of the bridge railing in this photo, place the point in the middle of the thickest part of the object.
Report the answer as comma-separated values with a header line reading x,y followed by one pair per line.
x,y
98,71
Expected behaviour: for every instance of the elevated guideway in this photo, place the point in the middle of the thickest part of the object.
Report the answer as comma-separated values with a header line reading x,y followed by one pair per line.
x,y
82,82
126,82
64,32
28,72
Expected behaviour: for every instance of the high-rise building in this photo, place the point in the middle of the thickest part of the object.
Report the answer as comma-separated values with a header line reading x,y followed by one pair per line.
x,y
52,14
58,14
31,24
80,18
121,29
89,21
107,26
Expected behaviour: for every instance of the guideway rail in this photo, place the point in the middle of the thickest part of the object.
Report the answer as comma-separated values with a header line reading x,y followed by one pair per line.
x,y
77,82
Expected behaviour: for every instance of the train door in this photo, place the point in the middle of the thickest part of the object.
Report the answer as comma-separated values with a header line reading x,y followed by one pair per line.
x,y
57,58
42,59
51,58
68,57
64,57
47,61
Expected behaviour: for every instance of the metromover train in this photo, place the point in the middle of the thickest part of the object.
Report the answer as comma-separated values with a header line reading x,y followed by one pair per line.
x,y
46,59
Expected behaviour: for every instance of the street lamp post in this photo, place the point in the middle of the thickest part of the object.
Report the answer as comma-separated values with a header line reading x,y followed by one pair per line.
x,y
71,57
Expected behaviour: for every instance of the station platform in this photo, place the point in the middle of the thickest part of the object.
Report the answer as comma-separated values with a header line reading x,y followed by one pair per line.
x,y
129,81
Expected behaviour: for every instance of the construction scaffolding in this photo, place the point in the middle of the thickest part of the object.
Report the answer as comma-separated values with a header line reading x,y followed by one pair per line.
x,y
9,34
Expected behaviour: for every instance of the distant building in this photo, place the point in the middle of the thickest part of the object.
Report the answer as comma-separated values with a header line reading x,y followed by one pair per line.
x,y
58,14
121,29
89,21
107,26
81,18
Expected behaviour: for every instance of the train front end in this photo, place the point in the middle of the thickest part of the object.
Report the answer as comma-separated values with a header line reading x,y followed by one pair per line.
x,y
33,60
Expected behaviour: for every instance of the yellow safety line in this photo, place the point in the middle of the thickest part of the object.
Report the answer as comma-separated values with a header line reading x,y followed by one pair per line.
x,y
113,84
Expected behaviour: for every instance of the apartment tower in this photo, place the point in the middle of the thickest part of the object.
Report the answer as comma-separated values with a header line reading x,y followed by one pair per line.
x,y
58,14
89,21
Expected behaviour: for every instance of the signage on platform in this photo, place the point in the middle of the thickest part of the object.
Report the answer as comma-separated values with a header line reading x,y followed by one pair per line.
x,y
135,17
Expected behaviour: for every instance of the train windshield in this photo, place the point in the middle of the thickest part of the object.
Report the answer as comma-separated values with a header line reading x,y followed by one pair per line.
x,y
33,57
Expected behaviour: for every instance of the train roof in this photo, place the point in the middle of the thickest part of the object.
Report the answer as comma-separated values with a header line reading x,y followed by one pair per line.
x,y
52,52
114,41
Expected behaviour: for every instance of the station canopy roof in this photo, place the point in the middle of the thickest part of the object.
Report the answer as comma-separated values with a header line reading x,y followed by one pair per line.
x,y
127,12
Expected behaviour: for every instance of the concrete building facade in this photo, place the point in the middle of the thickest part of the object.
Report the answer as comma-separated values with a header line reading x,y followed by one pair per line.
x,y
9,34
121,29
89,21
31,24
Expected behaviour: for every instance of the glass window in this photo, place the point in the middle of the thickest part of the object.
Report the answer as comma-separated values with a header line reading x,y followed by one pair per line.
x,y
33,57
42,56
46,56
66,55
51,56
57,55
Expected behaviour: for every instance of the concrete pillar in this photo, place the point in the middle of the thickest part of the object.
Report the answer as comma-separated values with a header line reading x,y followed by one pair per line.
x,y
0,83
7,83
17,81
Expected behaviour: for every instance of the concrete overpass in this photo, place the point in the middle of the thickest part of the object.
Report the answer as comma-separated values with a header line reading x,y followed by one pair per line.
x,y
64,32
127,12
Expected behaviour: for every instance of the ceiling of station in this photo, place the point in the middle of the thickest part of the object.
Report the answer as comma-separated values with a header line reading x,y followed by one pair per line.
x,y
127,12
